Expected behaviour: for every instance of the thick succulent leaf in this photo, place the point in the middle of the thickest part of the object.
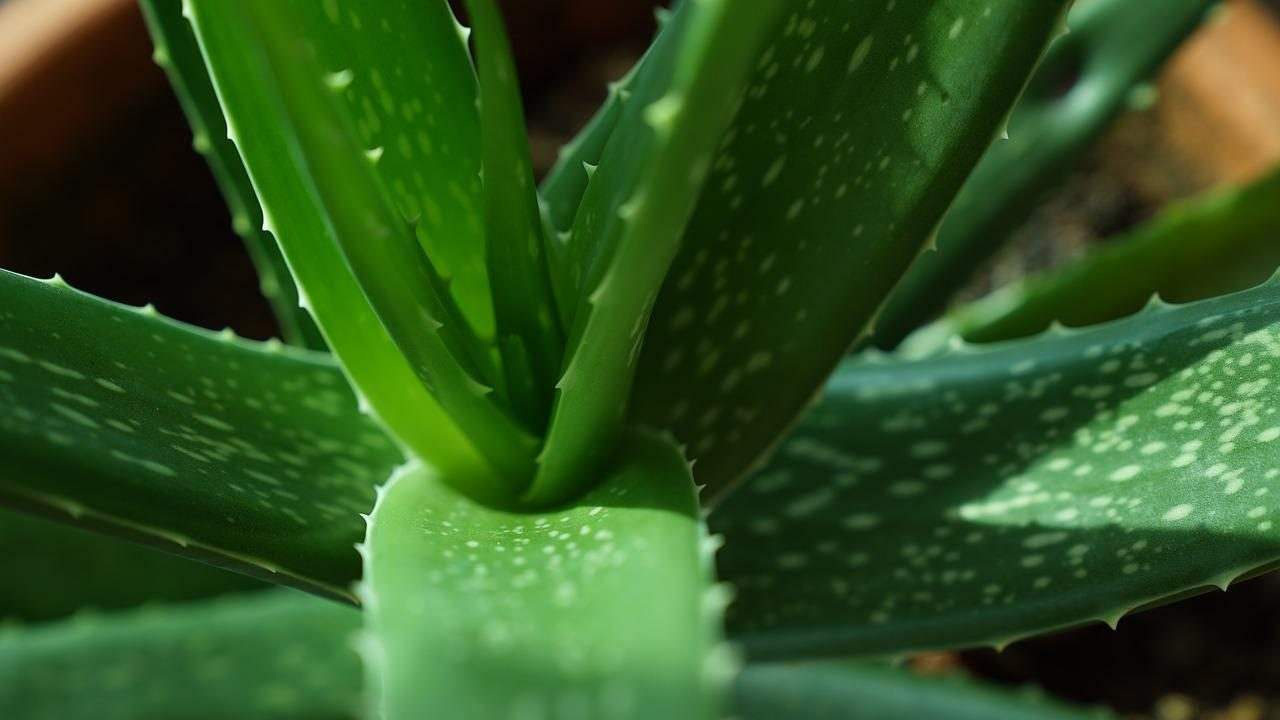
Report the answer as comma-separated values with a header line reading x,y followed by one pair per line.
x,y
56,570
861,121
297,218
984,495
278,655
528,324
297,127
247,455
1224,242
562,191
628,227
1088,77
857,691
177,52
600,610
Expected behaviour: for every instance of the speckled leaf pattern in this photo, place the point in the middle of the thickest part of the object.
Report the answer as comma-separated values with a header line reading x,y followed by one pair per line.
x,y
177,52
853,691
1223,242
276,655
403,287
859,125
628,227
1089,77
985,495
599,610
295,212
247,455
58,570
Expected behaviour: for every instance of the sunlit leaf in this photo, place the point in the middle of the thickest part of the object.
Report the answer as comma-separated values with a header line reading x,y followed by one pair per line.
x,y
985,495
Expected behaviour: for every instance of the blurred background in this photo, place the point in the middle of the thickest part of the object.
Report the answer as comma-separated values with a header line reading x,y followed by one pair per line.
x,y
99,183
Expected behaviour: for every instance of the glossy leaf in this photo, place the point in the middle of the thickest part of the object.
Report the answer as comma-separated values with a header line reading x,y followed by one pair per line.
x,y
853,691
246,455
1089,76
57,570
1197,249
528,325
297,219
859,125
627,230
278,655
602,609
177,52
984,495
297,128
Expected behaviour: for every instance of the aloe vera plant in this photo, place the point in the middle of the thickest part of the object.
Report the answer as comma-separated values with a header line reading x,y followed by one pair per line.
x,y
526,471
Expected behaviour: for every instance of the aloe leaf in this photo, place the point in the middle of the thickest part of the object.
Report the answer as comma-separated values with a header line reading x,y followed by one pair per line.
x,y
602,609
249,456
310,151
527,320
860,123
330,290
628,227
566,182
988,494
277,655
176,51
1088,77
1220,243
65,569
859,691
561,192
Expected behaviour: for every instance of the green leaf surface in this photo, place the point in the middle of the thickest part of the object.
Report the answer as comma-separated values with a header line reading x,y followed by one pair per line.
x,y
566,183
598,610
1221,243
528,323
984,495
629,225
856,691
395,274
861,121
177,52
278,655
296,121
56,570
247,455
1088,77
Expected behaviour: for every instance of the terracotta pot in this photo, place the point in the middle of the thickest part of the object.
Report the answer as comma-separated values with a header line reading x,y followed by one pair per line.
x,y
67,67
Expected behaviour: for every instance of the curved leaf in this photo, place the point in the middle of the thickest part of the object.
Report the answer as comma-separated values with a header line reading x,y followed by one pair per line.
x,y
985,495
310,216
527,322
597,610
1209,246
277,655
628,227
566,183
177,52
1086,80
245,455
861,121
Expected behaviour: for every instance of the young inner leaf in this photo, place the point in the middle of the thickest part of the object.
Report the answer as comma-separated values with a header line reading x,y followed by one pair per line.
x,y
529,336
